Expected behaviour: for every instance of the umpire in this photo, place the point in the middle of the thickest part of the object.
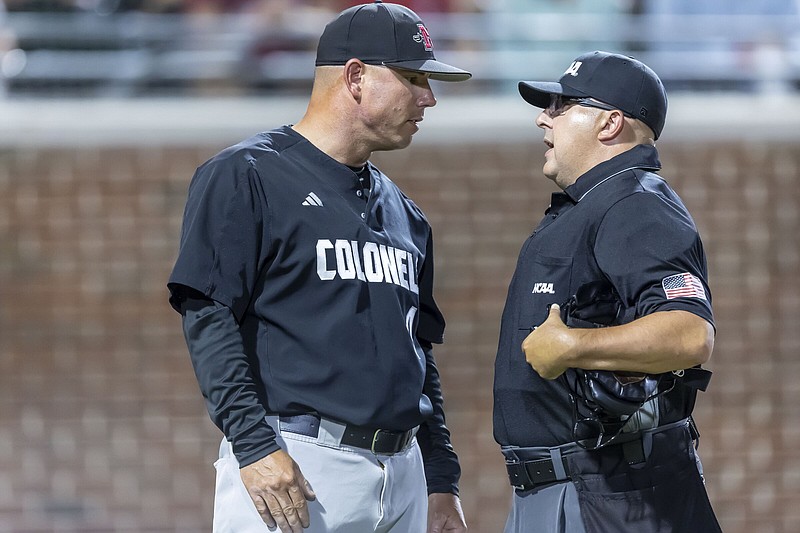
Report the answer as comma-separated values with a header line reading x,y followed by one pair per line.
x,y
305,281
615,221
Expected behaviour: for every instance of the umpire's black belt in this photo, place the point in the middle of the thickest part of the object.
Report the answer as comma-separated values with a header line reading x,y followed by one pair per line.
x,y
379,441
526,475
530,467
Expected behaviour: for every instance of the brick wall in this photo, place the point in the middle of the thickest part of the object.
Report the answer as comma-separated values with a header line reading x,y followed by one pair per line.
x,y
102,427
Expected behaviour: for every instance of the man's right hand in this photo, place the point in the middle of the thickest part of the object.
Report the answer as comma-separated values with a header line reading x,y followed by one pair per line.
x,y
279,491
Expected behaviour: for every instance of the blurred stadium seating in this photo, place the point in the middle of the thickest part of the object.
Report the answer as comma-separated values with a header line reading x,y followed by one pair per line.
x,y
110,47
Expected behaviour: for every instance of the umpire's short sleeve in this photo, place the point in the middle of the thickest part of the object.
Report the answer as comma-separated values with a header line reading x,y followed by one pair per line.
x,y
225,234
644,241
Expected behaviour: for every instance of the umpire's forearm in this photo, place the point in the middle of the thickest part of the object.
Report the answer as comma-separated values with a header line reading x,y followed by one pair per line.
x,y
659,342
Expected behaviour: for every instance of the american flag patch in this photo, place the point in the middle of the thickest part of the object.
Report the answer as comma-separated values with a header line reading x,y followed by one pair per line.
x,y
683,286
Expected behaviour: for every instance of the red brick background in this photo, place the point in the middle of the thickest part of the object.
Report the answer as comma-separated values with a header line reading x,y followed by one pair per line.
x,y
102,427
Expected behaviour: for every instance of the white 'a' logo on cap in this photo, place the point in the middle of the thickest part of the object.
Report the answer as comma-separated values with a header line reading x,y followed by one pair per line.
x,y
573,68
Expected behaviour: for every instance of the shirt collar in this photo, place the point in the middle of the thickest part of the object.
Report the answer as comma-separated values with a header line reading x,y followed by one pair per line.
x,y
642,156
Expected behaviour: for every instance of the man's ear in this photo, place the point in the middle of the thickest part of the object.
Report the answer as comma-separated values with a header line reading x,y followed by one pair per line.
x,y
353,75
612,125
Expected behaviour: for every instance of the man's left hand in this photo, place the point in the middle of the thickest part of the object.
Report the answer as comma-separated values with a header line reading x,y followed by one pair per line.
x,y
547,345
445,514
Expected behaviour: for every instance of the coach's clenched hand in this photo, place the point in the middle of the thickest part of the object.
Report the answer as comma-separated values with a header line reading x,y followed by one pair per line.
x,y
445,514
548,346
279,491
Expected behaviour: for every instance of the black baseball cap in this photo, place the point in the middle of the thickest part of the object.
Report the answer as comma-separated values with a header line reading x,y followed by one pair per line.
x,y
621,81
383,34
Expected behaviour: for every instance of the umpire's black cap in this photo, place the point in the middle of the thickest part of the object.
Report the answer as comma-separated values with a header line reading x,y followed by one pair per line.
x,y
621,81
383,34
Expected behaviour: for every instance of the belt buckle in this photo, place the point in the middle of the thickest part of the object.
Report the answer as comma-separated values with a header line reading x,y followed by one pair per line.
x,y
404,441
510,462
375,440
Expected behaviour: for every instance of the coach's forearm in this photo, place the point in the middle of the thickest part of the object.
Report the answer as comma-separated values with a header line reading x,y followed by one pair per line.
x,y
442,469
223,374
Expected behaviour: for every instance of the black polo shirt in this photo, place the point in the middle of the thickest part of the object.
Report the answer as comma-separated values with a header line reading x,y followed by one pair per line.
x,y
330,278
619,222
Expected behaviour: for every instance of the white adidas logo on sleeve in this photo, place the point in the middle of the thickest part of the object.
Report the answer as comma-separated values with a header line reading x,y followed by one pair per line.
x,y
313,199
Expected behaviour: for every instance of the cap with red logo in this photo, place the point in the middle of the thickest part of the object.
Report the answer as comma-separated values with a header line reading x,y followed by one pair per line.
x,y
383,34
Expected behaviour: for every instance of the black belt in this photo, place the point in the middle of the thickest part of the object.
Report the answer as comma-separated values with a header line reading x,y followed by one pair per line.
x,y
525,475
380,441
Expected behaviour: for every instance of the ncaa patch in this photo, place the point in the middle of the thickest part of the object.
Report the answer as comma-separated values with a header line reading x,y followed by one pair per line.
x,y
684,285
